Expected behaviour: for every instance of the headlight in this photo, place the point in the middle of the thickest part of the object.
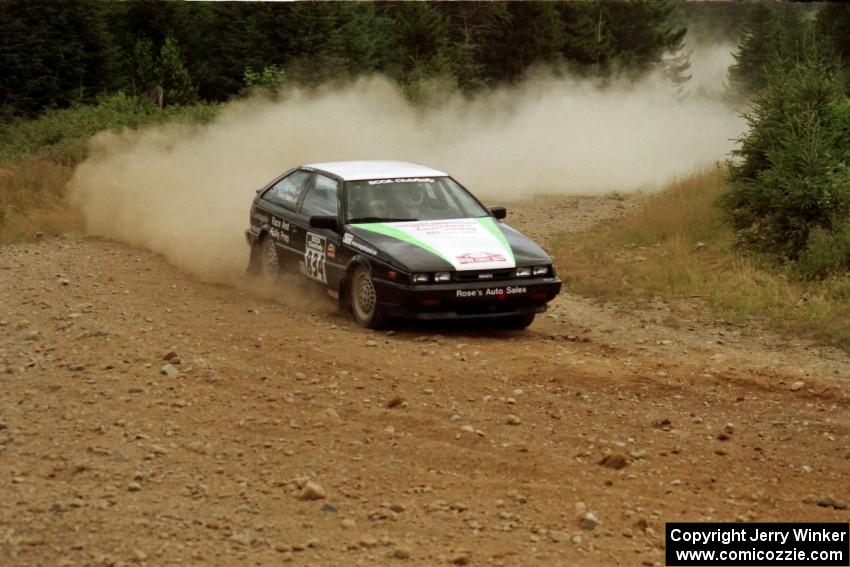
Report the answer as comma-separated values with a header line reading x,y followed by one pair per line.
x,y
541,270
443,277
420,278
523,272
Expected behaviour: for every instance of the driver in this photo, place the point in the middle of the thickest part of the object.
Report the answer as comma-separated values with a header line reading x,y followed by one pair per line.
x,y
408,200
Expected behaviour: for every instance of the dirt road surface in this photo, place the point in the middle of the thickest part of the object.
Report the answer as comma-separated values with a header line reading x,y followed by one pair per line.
x,y
282,432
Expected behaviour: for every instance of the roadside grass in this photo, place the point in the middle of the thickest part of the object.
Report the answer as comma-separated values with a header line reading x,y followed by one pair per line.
x,y
676,245
32,201
37,158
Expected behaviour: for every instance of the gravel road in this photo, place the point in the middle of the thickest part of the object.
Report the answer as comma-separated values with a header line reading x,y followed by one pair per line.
x,y
149,418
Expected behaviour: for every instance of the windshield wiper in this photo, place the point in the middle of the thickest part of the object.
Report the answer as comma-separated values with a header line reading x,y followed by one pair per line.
x,y
364,220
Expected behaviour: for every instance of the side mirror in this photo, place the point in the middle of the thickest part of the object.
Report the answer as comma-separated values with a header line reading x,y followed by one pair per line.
x,y
499,211
326,222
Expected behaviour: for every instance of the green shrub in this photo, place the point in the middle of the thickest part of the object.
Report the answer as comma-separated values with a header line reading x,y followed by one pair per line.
x,y
827,252
270,79
792,176
62,135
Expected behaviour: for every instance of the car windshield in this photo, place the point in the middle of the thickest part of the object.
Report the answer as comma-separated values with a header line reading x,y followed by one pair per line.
x,y
409,199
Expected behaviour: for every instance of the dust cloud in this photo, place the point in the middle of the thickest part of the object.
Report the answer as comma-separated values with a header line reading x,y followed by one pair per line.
x,y
184,191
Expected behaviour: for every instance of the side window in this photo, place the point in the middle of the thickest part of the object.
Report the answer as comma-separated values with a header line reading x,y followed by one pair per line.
x,y
286,192
321,199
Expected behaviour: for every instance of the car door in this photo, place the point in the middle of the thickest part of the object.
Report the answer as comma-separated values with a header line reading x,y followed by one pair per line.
x,y
280,202
320,245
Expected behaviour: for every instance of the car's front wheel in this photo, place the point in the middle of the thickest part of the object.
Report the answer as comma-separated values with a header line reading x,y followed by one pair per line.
x,y
364,300
269,260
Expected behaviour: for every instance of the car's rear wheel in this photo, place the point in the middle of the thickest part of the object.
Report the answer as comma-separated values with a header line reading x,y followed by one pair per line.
x,y
364,300
516,322
269,260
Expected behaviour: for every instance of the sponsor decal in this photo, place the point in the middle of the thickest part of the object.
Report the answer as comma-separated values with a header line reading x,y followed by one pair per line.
x,y
479,258
331,251
315,242
466,244
362,247
347,238
485,276
402,180
314,257
278,235
281,224
492,293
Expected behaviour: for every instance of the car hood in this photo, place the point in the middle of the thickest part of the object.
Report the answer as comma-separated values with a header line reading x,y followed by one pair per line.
x,y
444,245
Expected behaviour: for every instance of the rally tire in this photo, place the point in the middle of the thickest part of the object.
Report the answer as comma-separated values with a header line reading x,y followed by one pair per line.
x,y
363,298
268,261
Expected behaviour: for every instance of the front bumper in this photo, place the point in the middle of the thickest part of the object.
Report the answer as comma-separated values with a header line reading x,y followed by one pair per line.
x,y
466,300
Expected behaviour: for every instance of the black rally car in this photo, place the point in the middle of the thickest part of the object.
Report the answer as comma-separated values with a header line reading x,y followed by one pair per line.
x,y
395,239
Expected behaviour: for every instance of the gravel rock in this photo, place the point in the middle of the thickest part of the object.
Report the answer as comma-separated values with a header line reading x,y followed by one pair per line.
x,y
829,502
313,491
513,420
402,552
368,541
588,521
330,414
559,537
615,461
242,538
395,402
798,385
170,371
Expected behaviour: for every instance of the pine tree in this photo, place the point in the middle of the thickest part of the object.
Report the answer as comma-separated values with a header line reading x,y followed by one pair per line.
x,y
143,68
604,37
833,23
771,36
174,78
791,175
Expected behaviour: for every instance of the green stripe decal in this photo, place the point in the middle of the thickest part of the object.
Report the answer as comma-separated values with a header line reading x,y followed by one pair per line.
x,y
393,232
490,225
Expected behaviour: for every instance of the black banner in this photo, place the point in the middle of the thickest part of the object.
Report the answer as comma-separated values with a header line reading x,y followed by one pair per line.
x,y
761,544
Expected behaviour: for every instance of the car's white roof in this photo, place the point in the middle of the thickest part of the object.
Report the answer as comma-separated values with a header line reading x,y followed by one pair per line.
x,y
358,170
